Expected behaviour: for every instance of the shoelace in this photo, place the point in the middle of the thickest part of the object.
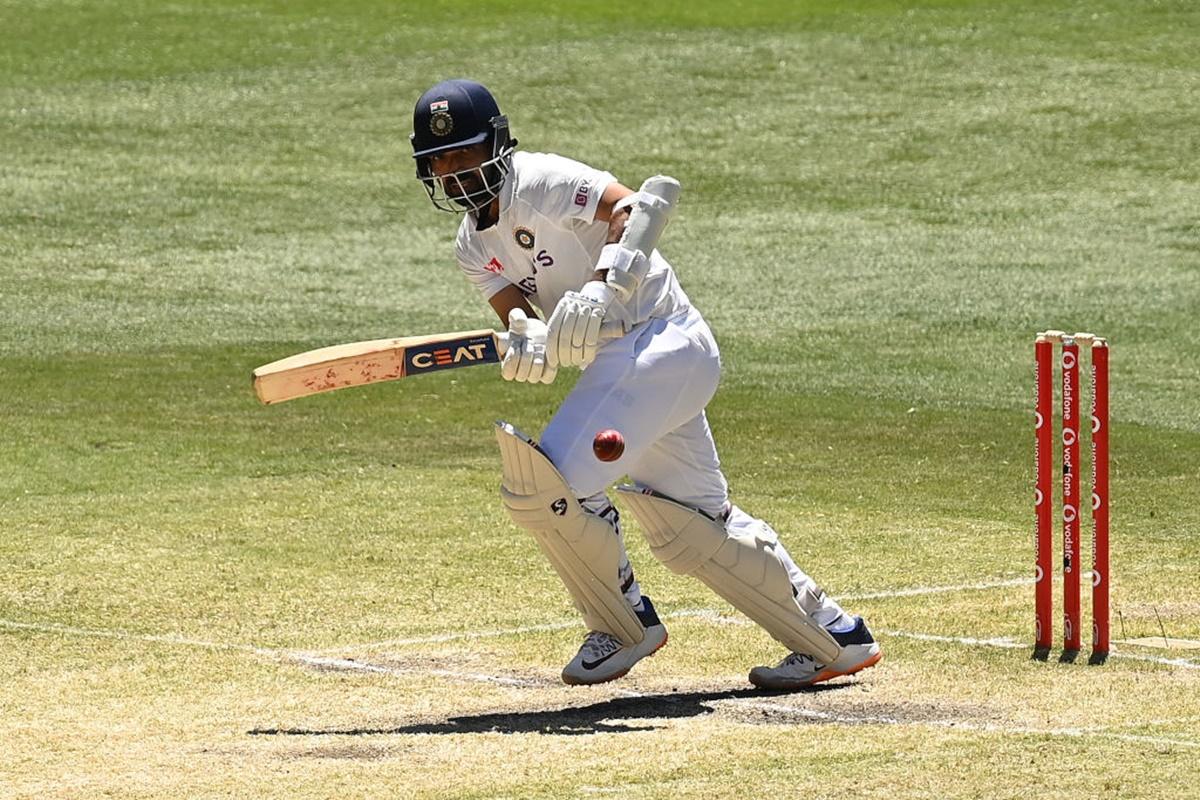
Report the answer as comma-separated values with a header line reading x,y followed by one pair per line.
x,y
599,643
797,660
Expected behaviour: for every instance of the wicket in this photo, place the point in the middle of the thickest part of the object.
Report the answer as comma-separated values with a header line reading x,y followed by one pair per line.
x,y
1043,458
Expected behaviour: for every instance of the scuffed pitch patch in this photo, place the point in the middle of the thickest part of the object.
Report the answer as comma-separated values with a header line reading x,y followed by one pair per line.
x,y
800,709
354,751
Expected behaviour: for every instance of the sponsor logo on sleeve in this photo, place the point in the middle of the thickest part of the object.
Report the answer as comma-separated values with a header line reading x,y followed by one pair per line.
x,y
494,266
581,195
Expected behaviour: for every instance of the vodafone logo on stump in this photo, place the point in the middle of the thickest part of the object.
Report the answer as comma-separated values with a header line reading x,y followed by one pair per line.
x,y
1077,349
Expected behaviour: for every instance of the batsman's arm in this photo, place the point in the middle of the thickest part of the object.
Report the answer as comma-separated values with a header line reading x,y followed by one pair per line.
x,y
617,219
508,298
613,193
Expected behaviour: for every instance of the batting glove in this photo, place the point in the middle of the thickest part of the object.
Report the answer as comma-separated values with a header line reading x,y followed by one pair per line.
x,y
525,359
575,325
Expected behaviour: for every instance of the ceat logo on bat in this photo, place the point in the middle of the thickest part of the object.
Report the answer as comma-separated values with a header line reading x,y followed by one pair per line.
x,y
454,353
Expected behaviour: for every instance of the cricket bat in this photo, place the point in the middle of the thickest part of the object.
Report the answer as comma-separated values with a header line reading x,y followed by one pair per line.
x,y
361,363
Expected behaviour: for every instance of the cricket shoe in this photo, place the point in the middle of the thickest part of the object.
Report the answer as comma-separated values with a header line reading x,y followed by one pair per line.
x,y
603,658
797,670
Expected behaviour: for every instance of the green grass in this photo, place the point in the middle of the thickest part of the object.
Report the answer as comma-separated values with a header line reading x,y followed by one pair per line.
x,y
882,203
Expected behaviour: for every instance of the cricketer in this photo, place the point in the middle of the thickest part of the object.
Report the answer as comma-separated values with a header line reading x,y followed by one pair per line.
x,y
543,233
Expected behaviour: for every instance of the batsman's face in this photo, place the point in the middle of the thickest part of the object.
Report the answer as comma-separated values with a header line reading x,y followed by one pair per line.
x,y
463,165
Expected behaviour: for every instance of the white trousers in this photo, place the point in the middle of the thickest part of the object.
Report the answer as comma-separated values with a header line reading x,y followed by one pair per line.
x,y
652,385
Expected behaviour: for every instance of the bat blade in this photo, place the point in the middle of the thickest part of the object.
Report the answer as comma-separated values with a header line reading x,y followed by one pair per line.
x,y
362,363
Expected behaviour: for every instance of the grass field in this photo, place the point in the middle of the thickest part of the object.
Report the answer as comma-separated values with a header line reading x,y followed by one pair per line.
x,y
204,597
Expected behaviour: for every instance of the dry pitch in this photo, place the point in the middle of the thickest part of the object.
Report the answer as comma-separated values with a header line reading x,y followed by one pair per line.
x,y
203,597
482,714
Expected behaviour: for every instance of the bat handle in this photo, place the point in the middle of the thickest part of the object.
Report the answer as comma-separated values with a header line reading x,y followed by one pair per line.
x,y
608,330
611,330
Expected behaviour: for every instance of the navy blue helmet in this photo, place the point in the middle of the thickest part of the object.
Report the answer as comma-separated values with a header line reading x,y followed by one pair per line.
x,y
454,114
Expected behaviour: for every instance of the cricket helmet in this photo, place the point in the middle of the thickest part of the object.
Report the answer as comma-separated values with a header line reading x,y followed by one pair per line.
x,y
454,114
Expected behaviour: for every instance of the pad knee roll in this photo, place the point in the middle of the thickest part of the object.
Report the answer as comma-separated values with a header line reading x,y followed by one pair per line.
x,y
743,568
583,548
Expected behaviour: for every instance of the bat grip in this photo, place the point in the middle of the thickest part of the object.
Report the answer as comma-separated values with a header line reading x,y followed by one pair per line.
x,y
608,330
611,330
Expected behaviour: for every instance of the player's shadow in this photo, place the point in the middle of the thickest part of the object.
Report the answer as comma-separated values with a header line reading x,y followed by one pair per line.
x,y
610,716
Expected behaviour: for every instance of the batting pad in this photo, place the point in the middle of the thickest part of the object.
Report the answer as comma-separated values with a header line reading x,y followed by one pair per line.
x,y
741,567
583,548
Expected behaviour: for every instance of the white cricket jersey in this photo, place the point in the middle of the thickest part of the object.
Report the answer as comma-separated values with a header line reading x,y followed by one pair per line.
x,y
547,241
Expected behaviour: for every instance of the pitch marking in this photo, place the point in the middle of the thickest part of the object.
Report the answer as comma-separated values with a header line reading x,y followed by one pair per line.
x,y
703,613
1011,644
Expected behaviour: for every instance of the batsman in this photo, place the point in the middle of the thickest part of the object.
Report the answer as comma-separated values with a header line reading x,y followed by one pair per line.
x,y
568,259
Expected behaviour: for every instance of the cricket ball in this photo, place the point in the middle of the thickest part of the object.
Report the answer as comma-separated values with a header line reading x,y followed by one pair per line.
x,y
608,445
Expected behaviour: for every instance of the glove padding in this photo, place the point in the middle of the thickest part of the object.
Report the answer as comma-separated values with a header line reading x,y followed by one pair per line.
x,y
525,359
574,327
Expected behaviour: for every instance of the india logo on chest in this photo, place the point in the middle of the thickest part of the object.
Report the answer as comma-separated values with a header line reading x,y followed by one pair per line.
x,y
525,239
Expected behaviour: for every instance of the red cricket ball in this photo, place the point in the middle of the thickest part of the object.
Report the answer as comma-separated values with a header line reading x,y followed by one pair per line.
x,y
608,445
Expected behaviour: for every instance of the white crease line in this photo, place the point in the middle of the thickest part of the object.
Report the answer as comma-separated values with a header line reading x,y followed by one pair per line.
x,y
453,637
705,613
1010,644
1170,662
51,627
711,614
281,655
919,590
967,640
345,664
